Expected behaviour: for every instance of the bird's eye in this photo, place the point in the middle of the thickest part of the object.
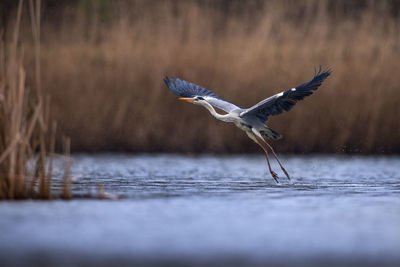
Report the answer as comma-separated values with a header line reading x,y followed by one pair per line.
x,y
200,98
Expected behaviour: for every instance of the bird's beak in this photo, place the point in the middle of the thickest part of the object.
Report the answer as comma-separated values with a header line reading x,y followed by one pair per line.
x,y
186,99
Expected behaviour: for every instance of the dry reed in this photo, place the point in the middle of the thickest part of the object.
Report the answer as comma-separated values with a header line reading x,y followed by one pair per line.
x,y
26,163
104,67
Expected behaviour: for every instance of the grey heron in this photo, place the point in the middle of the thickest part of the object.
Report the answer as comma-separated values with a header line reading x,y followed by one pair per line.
x,y
251,120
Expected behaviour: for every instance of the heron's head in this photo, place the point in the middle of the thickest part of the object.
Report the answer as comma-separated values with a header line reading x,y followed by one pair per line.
x,y
198,100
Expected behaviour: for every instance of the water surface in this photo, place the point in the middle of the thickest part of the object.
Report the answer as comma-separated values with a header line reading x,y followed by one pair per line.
x,y
218,210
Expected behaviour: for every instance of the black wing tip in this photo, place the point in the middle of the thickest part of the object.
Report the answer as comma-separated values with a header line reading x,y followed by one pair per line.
x,y
320,73
171,82
319,76
168,82
186,89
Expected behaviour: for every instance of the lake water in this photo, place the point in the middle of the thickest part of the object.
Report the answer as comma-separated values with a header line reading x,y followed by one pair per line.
x,y
213,210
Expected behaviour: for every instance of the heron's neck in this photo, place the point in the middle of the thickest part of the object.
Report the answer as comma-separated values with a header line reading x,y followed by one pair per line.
x,y
222,117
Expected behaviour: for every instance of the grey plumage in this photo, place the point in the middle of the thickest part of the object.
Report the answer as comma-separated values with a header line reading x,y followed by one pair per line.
x,y
273,105
186,89
251,120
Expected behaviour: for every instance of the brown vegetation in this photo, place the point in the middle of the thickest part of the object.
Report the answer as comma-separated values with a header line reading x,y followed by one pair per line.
x,y
103,65
26,141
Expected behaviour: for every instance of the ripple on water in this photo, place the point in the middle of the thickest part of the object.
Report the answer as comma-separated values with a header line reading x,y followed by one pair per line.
x,y
218,209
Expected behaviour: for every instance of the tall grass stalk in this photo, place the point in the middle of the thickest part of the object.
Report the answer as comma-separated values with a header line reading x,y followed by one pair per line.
x,y
26,161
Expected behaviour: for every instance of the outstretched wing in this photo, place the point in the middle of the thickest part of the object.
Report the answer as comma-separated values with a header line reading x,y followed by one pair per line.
x,y
186,89
276,104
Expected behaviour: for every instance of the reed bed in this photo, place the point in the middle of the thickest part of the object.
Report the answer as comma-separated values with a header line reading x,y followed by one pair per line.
x,y
27,142
105,62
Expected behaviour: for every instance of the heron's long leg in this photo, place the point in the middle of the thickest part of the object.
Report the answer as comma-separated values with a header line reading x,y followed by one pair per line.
x,y
255,139
276,157
274,175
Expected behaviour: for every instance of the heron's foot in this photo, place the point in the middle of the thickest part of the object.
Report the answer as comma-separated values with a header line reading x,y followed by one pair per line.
x,y
275,176
286,173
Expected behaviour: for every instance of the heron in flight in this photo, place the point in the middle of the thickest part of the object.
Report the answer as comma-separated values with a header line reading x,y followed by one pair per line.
x,y
251,120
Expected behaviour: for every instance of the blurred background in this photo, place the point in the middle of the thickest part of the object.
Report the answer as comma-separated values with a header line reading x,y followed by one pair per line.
x,y
103,64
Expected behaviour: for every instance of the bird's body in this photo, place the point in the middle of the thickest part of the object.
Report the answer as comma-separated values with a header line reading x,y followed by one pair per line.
x,y
251,120
245,124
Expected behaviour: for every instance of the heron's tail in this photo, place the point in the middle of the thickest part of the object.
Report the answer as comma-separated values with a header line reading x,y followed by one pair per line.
x,y
269,133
